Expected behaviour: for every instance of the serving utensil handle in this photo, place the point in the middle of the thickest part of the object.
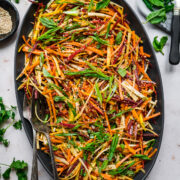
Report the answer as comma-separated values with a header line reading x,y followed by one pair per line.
x,y
55,174
34,172
174,56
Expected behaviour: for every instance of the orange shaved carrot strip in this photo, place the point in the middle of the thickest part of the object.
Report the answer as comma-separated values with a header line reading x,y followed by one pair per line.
x,y
152,116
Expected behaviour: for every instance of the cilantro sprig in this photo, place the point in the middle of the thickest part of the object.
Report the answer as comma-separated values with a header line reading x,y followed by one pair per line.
x,y
6,114
20,167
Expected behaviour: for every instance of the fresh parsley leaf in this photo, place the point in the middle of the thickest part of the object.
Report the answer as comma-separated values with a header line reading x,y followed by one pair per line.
x,y
118,38
18,125
17,1
148,5
157,16
91,4
2,132
46,73
49,23
157,3
159,45
6,174
102,4
21,174
18,165
122,72
5,142
169,8
21,170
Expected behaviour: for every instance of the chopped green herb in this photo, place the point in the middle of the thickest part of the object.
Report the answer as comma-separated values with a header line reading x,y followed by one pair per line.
x,y
113,147
96,70
49,23
141,156
98,93
67,134
76,127
121,170
59,98
46,73
99,40
91,4
18,125
159,45
59,120
122,146
17,1
121,113
41,59
6,174
20,167
102,4
122,72
108,29
118,38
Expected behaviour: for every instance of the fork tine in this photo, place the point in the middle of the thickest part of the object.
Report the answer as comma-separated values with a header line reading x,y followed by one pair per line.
x,y
27,108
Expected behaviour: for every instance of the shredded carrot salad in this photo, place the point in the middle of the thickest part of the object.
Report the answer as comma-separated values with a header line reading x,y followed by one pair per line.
x,y
92,69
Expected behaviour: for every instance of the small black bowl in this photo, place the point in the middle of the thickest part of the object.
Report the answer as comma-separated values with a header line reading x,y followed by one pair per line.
x,y
8,6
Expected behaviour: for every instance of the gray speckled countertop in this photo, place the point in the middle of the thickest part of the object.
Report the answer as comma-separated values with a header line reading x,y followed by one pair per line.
x,y
167,166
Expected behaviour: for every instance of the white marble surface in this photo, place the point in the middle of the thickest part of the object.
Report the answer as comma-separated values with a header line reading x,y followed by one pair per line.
x,y
167,166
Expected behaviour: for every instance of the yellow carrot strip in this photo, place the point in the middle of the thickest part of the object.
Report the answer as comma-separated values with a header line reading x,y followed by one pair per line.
x,y
110,50
145,103
76,158
130,148
33,65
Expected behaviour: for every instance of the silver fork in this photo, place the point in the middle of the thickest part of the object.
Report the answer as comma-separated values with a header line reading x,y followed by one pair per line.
x,y
30,111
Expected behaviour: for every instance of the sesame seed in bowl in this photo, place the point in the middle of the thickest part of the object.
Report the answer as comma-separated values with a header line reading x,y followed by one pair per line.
x,y
9,20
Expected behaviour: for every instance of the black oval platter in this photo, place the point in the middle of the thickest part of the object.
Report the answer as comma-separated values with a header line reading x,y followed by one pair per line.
x,y
153,72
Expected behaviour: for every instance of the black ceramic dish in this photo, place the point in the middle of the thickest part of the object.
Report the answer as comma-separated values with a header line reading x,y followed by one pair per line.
x,y
153,72
8,6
